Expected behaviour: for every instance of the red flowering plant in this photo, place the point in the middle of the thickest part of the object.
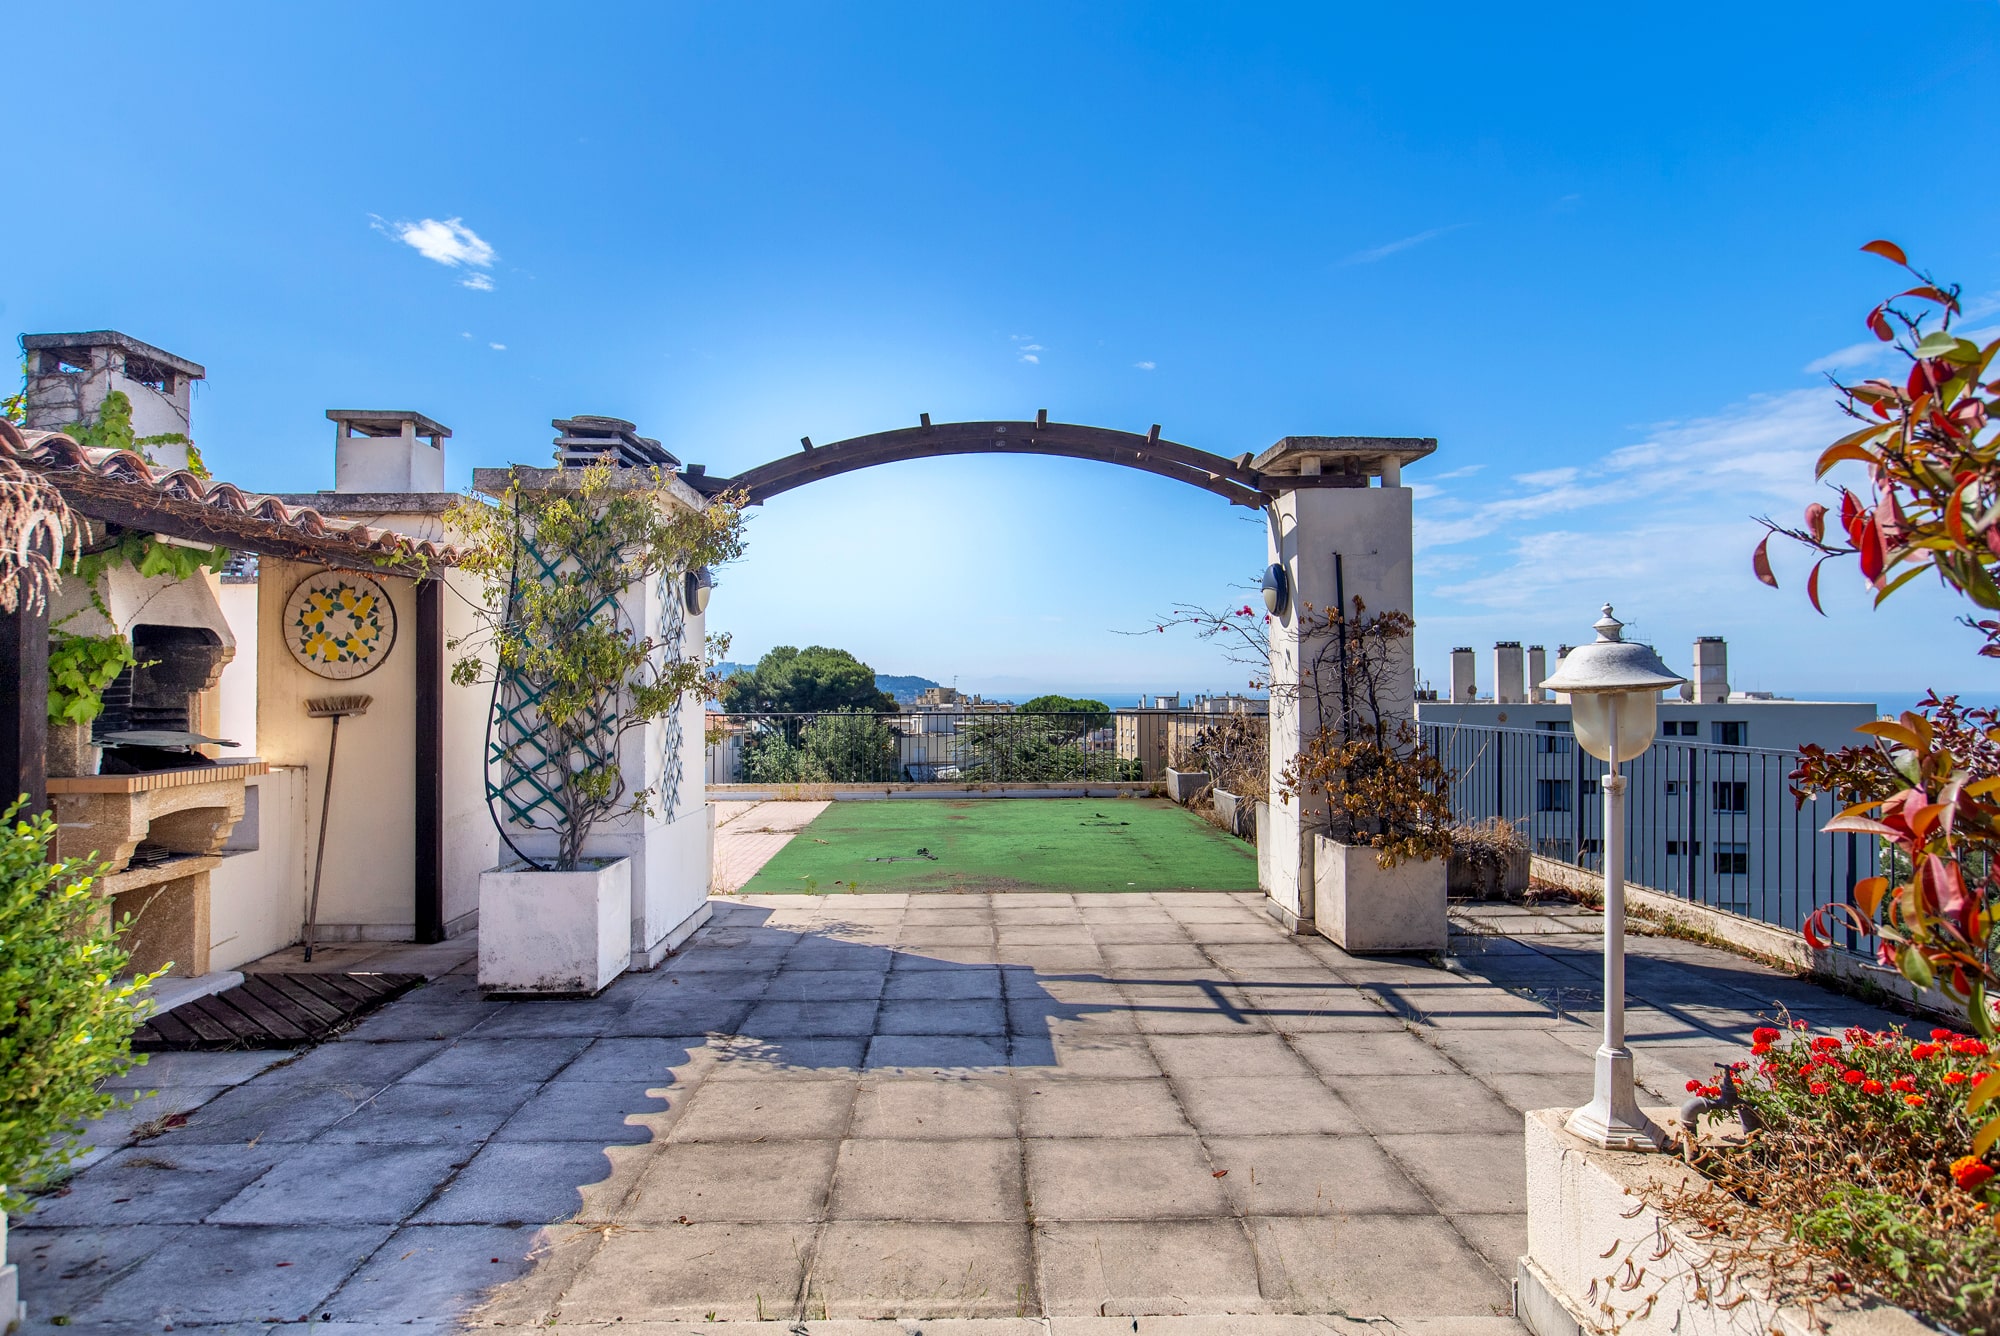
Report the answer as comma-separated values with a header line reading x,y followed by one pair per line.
x,y
1928,786
1861,1158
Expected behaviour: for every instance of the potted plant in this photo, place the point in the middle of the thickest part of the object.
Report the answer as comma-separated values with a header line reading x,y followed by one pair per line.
x,y
80,667
566,560
69,1018
1235,753
1379,869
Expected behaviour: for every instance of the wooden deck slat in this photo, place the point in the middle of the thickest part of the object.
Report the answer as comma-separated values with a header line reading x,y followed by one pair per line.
x,y
320,989
271,1020
313,1011
196,1017
335,988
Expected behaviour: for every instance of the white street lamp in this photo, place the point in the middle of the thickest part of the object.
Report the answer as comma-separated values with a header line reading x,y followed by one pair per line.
x,y
1614,691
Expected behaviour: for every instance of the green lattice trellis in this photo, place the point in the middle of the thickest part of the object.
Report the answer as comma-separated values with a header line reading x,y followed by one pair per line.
x,y
522,769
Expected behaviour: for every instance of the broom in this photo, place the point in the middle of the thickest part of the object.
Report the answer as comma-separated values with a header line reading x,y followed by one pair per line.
x,y
335,708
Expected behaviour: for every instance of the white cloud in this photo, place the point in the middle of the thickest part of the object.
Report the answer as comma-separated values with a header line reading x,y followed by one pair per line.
x,y
1547,477
447,241
1030,357
498,347
1146,366
1383,252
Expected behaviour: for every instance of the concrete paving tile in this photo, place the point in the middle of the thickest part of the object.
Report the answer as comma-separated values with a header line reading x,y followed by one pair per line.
x,y
1135,1178
1465,1172
255,1112
1387,1053
103,1137
537,1183
1148,928
925,1107
1199,1057
1046,1020
944,957
434,1271
1512,1052
210,1274
1018,915
157,1185
588,1017
1067,959
64,1269
661,1015
1091,1108
1392,1265
354,1063
734,1181
969,983
1068,932
1554,1092
325,1184
768,1110
1313,1176
977,1016
528,1061
417,1017
194,1069
954,915
412,1114
1457,1104
1166,1266
607,1115
726,1272
645,1063
1501,1239
924,936
1263,1106
755,1059
920,1052
1145,957
1198,1014
872,1268
1244,928
1251,961
782,1020
827,985
1084,1050
955,1180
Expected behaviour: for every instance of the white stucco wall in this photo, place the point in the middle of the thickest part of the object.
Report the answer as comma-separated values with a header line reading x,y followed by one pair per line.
x,y
368,889
238,689
471,841
257,897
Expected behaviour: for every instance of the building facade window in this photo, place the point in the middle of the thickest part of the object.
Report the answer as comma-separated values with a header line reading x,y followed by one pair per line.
x,y
1678,728
1555,739
1683,848
1731,795
1731,733
1732,860
1551,795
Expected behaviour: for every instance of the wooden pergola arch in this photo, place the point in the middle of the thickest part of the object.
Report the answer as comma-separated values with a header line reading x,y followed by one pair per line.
x,y
1236,480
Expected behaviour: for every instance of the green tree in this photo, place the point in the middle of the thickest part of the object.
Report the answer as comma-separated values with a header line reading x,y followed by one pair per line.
x,y
1090,714
831,749
812,680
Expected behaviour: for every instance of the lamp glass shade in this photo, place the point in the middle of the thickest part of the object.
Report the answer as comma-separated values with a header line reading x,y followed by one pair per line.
x,y
1638,714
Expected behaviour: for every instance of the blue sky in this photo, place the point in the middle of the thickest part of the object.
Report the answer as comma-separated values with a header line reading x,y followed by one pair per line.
x,y
1601,255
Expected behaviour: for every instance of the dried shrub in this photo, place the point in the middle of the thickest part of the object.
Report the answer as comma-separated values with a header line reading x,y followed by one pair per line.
x,y
1235,751
1485,849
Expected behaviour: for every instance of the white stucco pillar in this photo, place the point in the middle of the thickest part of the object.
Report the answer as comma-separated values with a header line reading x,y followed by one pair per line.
x,y
1335,543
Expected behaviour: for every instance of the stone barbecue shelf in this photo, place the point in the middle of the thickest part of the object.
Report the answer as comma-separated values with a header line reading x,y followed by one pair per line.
x,y
159,779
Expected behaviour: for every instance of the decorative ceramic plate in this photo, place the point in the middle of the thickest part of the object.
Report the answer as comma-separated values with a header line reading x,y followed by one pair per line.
x,y
339,624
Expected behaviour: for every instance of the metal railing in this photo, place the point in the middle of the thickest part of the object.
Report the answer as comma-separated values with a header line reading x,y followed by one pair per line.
x,y
949,746
1717,826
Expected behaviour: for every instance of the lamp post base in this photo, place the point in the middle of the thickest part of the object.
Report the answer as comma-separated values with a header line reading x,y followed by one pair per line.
x,y
1612,1119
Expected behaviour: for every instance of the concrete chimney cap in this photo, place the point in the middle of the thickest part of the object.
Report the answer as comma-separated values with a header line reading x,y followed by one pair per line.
x,y
1288,456
386,421
111,338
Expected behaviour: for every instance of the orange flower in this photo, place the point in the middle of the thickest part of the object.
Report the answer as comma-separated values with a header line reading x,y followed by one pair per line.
x,y
1903,1084
1914,1101
1759,1050
1954,1078
1926,1050
1871,1087
1970,1172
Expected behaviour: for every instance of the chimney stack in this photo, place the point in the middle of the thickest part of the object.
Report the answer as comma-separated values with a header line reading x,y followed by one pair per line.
x,y
1711,670
1538,672
1507,687
386,450
71,375
1463,687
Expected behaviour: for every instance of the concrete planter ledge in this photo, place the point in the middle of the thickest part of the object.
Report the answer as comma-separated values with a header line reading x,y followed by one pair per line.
x,y
1591,1235
1183,785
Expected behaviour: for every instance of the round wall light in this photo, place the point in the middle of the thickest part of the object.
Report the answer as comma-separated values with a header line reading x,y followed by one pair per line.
x,y
695,589
1277,591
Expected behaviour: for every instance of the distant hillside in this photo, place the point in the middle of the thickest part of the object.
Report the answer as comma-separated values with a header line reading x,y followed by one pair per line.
x,y
731,669
904,689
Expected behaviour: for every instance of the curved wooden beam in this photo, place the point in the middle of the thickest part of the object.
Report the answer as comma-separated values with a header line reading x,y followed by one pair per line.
x,y
1230,479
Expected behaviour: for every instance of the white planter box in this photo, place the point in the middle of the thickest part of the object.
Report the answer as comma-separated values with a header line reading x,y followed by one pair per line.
x,y
12,1311
1588,1218
1363,906
1235,811
1182,785
558,933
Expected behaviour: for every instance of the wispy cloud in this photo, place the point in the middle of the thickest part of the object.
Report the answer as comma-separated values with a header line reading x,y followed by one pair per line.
x,y
1846,359
1146,366
448,242
1383,252
498,347
1026,348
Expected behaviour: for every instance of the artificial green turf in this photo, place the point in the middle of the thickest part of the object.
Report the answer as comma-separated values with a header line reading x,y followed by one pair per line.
x,y
1027,844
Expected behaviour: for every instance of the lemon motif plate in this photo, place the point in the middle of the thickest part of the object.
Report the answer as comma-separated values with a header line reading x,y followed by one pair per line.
x,y
339,624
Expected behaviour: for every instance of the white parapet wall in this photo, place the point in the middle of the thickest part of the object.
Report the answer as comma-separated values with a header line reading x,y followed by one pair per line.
x,y
257,893
1602,1257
